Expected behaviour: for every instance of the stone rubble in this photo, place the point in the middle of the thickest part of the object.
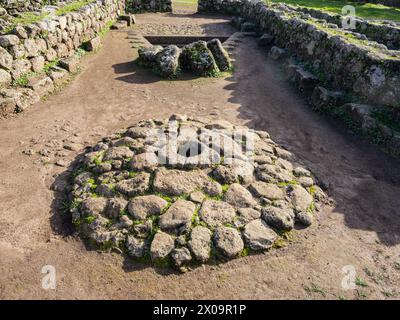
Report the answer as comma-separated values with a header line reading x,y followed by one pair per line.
x,y
200,58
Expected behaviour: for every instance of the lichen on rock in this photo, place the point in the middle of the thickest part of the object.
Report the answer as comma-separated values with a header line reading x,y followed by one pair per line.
x,y
197,58
200,58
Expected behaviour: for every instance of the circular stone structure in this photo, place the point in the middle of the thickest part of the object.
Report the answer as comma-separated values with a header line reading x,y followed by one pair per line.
x,y
186,190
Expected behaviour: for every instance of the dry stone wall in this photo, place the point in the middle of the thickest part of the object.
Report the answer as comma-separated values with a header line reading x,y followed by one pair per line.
x,y
29,54
384,32
14,6
347,60
391,3
148,5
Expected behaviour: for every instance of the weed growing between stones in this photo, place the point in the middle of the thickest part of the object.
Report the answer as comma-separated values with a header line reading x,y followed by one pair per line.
x,y
50,65
22,81
28,17
73,6
25,18
363,10
106,29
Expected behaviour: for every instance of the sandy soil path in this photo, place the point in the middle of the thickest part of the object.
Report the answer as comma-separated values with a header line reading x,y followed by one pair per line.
x,y
362,230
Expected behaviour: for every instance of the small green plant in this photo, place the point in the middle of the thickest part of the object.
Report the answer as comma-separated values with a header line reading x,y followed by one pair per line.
x,y
106,28
222,74
22,81
49,65
195,218
109,223
182,197
279,243
163,262
123,212
165,197
90,219
288,183
225,187
312,190
245,252
228,225
90,181
97,160
106,245
315,289
67,206
286,234
80,52
133,174
73,6
311,207
361,294
203,224
26,18
77,224
360,282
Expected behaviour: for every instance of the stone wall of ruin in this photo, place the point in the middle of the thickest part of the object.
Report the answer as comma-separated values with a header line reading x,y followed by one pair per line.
x,y
148,6
390,3
14,6
387,33
348,61
26,50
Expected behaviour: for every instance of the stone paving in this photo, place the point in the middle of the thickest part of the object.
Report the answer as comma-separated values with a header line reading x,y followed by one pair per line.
x,y
188,190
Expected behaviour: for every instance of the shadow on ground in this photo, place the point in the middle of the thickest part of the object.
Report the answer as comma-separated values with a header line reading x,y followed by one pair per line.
x,y
133,73
362,179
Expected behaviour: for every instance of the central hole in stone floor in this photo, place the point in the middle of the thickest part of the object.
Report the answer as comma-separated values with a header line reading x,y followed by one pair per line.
x,y
180,41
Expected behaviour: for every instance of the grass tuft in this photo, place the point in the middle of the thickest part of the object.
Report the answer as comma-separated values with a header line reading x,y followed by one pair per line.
x,y
73,6
363,10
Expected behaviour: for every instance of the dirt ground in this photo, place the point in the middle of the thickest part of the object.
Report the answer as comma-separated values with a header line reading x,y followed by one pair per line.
x,y
111,92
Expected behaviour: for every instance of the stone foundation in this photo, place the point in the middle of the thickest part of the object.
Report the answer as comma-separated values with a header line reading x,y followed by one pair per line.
x,y
347,60
390,3
340,71
185,191
14,6
148,6
386,33
29,54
